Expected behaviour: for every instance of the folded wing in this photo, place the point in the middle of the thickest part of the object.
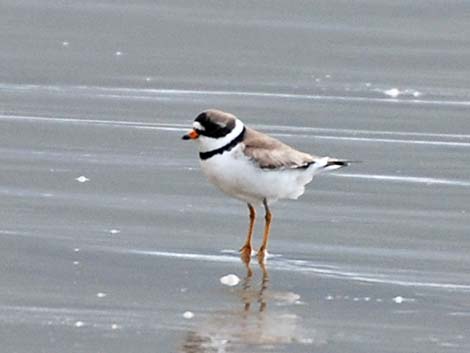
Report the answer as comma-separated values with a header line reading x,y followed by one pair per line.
x,y
270,153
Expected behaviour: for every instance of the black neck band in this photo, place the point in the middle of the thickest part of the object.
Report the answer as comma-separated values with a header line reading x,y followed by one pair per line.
x,y
227,147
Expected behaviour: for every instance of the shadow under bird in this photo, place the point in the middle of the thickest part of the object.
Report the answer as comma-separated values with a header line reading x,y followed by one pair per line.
x,y
253,167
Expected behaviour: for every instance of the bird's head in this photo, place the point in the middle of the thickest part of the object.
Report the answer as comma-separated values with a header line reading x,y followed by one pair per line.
x,y
214,129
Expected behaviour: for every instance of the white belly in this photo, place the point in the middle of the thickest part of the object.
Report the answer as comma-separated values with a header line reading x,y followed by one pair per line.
x,y
241,178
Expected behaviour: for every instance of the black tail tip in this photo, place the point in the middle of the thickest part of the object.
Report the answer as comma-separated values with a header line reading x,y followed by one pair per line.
x,y
343,163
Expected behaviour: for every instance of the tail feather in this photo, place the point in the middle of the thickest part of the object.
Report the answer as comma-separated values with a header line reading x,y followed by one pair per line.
x,y
327,163
332,164
339,162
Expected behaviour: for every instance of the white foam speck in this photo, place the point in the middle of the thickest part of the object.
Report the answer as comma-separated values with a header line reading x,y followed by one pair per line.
x,y
327,76
228,251
401,299
188,315
115,326
392,92
65,44
148,79
395,92
230,280
118,53
398,300
115,231
82,179
329,297
76,250
79,324
183,290
76,263
101,295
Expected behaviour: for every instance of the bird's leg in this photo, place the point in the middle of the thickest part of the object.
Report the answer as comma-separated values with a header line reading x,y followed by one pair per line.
x,y
264,246
246,249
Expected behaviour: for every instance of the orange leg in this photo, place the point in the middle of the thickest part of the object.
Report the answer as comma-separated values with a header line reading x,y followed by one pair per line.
x,y
264,246
246,249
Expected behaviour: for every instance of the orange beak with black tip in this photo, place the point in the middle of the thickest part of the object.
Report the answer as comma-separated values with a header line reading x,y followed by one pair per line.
x,y
192,135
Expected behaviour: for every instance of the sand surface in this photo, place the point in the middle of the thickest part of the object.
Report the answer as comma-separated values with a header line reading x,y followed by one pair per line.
x,y
111,239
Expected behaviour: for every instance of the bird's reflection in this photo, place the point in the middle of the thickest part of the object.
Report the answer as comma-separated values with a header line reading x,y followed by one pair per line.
x,y
256,325
247,295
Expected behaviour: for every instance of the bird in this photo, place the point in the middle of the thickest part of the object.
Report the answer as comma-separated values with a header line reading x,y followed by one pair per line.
x,y
253,167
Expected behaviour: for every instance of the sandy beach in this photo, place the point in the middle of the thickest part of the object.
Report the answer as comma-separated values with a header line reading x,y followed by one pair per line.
x,y
112,240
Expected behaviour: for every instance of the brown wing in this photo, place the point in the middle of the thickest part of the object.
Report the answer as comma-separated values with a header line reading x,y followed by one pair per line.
x,y
271,153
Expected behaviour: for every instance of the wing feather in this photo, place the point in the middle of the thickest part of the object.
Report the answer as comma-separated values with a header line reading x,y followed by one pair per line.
x,y
270,153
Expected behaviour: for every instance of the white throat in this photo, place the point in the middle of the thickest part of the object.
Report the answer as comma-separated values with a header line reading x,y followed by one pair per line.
x,y
208,143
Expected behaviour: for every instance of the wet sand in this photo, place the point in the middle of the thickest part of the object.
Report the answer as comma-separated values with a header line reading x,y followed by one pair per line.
x,y
111,239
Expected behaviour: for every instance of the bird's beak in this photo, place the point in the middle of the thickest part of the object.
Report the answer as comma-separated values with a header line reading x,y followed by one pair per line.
x,y
192,135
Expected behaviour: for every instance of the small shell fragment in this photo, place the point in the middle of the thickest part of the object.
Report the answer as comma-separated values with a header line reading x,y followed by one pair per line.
x,y
188,315
230,280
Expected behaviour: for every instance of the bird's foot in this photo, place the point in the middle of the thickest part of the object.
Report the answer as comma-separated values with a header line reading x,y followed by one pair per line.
x,y
246,252
262,255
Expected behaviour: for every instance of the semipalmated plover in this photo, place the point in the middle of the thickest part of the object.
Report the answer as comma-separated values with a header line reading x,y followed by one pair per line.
x,y
252,166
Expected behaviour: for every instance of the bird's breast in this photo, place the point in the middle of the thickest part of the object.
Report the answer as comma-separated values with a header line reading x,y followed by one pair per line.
x,y
223,168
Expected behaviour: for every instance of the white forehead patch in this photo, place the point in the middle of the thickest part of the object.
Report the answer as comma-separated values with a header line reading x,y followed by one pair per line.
x,y
197,126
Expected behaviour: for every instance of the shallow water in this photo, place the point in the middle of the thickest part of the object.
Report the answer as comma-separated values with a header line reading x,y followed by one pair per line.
x,y
110,233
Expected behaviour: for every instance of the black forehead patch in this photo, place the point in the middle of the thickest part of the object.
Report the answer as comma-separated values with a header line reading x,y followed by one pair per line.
x,y
214,127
